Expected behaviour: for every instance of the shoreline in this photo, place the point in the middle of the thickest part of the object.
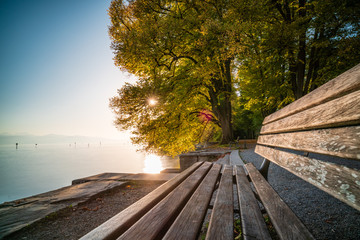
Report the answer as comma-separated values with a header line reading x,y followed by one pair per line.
x,y
18,214
73,222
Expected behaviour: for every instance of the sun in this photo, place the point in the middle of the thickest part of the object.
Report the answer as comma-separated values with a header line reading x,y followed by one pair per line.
x,y
152,101
152,164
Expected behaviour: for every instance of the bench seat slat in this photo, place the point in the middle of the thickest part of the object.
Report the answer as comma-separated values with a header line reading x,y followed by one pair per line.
x,y
286,223
339,86
342,142
221,224
153,224
343,111
252,220
187,225
337,180
118,224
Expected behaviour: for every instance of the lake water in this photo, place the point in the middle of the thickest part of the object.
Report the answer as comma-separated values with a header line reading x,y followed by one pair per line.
x,y
31,169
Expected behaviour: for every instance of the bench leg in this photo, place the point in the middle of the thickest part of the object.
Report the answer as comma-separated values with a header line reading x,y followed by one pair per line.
x,y
264,169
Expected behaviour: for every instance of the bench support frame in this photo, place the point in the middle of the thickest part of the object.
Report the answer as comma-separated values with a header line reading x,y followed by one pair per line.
x,y
264,169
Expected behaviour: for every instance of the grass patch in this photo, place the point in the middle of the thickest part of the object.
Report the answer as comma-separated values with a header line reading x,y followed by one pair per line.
x,y
237,230
52,215
204,231
270,227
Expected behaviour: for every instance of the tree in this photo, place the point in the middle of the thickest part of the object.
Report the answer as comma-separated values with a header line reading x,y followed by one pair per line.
x,y
170,41
308,42
229,57
169,125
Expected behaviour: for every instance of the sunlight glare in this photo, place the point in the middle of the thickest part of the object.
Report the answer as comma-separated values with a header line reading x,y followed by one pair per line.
x,y
152,164
152,102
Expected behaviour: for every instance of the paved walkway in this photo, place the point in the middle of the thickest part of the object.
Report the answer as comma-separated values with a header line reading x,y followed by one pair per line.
x,y
126,177
231,159
235,158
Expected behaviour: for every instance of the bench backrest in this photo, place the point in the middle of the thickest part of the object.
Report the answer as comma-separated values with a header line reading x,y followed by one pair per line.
x,y
325,121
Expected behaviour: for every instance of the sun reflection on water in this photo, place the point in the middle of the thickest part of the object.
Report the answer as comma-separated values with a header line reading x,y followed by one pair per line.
x,y
153,164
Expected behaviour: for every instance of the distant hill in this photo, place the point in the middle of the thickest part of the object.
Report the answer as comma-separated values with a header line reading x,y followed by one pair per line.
x,y
50,139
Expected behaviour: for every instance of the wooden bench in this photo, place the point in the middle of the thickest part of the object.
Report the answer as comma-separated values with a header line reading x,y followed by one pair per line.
x,y
325,121
176,209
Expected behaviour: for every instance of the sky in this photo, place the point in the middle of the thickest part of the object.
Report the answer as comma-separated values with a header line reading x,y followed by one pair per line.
x,y
56,68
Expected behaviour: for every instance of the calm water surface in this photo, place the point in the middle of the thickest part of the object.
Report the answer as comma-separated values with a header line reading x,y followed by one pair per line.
x,y
31,170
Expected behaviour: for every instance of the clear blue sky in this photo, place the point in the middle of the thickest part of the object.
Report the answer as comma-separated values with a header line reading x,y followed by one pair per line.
x,y
56,68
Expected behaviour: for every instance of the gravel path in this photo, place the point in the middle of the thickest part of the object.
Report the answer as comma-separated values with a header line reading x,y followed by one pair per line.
x,y
325,216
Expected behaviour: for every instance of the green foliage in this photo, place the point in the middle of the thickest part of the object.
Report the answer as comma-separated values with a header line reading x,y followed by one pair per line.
x,y
179,52
270,227
296,46
239,60
247,123
203,231
238,230
171,126
288,49
52,215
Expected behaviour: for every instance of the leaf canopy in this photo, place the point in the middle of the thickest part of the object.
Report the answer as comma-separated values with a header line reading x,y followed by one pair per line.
x,y
244,58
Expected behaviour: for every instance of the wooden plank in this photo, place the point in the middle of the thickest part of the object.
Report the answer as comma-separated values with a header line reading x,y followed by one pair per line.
x,y
221,224
343,111
286,223
342,142
345,83
188,224
155,223
118,224
337,180
252,220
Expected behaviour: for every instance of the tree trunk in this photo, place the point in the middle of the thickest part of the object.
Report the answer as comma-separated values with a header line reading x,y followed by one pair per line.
x,y
301,58
227,131
297,62
221,107
220,98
